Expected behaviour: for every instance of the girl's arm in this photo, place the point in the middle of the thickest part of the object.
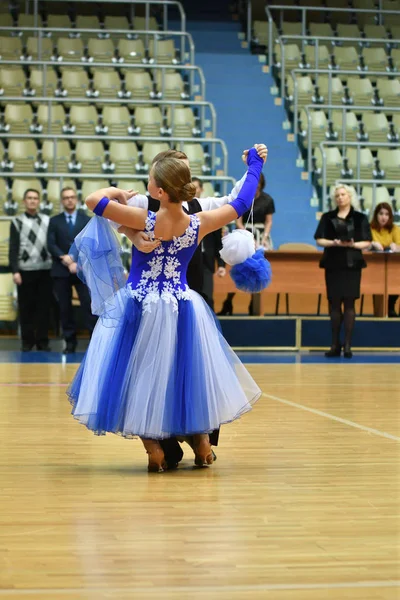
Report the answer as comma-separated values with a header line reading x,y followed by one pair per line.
x,y
100,203
215,219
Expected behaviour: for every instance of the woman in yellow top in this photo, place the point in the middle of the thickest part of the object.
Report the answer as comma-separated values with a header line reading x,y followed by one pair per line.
x,y
385,236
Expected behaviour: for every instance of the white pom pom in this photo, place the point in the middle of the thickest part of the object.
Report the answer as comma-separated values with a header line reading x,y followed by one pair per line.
x,y
237,246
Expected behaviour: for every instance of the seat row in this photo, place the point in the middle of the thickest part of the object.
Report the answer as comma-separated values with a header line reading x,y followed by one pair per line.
x,y
84,119
77,83
92,157
369,197
386,165
129,51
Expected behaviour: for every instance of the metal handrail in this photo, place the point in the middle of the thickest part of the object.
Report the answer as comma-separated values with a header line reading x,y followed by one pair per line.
x,y
184,35
49,63
330,107
124,138
305,9
358,145
50,100
326,72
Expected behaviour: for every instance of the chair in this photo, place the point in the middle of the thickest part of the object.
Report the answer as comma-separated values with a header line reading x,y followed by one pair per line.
x,y
319,126
37,81
305,90
56,155
12,81
366,162
4,242
377,126
7,21
39,48
162,51
396,122
23,153
151,149
75,82
132,184
25,20
70,49
351,125
375,31
19,186
132,51
208,190
10,47
395,56
85,118
101,50
345,30
376,60
373,197
195,154
107,83
261,33
116,22
139,24
87,22
390,162
389,91
90,155
3,188
149,119
169,84
323,56
91,185
139,84
58,22
8,310
337,89
117,119
18,117
346,57
360,90
333,163
125,157
52,121
53,191
292,28
291,53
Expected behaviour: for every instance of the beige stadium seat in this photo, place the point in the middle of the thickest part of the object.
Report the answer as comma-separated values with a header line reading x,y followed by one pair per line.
x,y
8,306
75,82
151,149
261,32
351,125
291,53
101,50
19,186
375,31
337,90
4,241
149,119
360,90
85,118
396,195
132,51
10,47
394,29
182,121
364,19
54,187
396,121
25,20
292,28
345,30
107,83
115,22
390,162
139,84
36,81
56,155
395,54
346,57
376,60
39,49
377,126
91,185
305,90
90,155
23,154
321,29
373,197
195,154
319,126
322,54
161,51
139,24
12,81
333,163
7,21
132,184
208,190
125,157
3,187
87,22
58,22
169,84
389,91
70,49
18,117
366,162
52,120
117,119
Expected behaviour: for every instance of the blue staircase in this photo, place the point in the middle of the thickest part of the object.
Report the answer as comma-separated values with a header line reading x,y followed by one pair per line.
x,y
246,114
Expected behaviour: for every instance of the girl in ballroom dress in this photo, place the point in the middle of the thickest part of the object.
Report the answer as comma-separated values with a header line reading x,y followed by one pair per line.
x,y
157,365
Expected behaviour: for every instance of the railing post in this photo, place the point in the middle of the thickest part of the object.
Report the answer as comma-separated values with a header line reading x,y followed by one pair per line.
x,y
309,149
249,17
295,105
282,45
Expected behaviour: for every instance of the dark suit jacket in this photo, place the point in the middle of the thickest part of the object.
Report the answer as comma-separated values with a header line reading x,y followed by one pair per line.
x,y
195,267
211,245
59,240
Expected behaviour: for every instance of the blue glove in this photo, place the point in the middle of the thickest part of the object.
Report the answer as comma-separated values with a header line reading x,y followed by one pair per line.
x,y
245,198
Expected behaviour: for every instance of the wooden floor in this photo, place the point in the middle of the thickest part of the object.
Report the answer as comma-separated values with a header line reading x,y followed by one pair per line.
x,y
302,503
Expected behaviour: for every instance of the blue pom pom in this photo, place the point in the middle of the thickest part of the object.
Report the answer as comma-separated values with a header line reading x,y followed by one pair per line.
x,y
252,275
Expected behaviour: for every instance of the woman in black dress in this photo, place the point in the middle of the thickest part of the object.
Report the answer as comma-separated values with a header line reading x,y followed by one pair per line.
x,y
343,233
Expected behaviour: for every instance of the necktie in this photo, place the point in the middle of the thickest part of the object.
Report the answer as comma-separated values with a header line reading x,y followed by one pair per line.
x,y
70,225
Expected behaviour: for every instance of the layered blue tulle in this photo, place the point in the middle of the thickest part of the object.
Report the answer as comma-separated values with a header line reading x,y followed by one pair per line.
x,y
254,274
98,255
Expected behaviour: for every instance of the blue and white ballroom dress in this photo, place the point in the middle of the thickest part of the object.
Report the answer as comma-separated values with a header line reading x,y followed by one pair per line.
x,y
157,365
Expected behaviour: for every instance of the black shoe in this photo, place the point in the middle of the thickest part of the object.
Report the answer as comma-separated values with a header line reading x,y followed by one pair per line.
x,y
70,349
26,347
227,308
347,353
333,352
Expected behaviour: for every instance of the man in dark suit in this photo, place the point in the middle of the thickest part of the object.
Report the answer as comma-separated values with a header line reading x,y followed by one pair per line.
x,y
61,233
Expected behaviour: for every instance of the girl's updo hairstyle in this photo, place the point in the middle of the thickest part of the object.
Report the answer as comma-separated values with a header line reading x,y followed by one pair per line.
x,y
173,176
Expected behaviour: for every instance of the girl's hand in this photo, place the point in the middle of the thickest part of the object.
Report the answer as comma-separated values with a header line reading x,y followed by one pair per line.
x,y
262,152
